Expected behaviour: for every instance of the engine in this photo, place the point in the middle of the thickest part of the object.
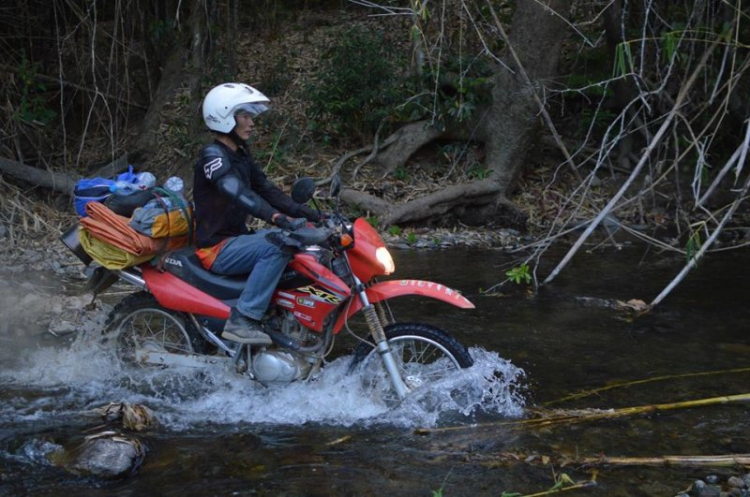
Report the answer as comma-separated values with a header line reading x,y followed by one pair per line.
x,y
278,366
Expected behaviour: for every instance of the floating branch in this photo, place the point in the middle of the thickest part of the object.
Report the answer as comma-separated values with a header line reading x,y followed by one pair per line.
x,y
703,461
596,391
550,418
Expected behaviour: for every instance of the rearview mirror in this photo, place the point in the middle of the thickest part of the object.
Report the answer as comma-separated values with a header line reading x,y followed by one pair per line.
x,y
303,190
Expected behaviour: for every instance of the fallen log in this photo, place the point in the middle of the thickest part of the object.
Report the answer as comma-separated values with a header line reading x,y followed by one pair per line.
x,y
58,182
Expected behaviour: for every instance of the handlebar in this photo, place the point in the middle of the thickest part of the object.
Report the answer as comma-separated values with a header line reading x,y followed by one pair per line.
x,y
325,233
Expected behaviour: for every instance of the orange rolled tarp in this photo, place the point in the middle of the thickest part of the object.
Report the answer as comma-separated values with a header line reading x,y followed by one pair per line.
x,y
111,228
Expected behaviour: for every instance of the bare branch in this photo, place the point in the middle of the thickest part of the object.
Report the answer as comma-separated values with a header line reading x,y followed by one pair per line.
x,y
636,171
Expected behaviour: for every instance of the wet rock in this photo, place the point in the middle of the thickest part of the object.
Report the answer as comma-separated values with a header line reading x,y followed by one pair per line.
x,y
108,457
654,488
595,302
60,328
710,490
444,238
736,482
712,479
41,451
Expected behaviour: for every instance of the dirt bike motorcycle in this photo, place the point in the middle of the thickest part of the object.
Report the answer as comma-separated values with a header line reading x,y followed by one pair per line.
x,y
177,316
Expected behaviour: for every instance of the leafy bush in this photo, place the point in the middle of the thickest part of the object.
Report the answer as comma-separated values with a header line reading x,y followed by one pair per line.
x,y
450,93
357,85
32,107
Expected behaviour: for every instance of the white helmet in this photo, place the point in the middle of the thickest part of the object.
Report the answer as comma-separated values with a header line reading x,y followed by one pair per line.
x,y
225,100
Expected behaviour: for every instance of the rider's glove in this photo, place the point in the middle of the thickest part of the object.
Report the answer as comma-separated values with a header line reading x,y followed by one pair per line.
x,y
309,213
288,223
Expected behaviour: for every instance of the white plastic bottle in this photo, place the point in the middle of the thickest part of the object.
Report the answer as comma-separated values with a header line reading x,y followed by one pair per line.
x,y
145,180
174,184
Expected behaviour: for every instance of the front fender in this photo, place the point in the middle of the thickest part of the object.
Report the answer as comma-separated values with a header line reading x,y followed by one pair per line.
x,y
397,288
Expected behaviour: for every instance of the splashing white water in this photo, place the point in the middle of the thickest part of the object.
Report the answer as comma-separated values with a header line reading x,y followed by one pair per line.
x,y
67,382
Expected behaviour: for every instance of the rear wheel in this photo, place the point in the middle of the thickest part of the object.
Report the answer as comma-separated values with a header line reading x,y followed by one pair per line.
x,y
139,325
424,355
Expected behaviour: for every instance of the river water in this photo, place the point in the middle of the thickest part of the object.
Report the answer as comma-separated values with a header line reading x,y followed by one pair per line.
x,y
220,435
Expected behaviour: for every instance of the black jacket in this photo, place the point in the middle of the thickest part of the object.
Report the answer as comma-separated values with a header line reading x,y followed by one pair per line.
x,y
228,186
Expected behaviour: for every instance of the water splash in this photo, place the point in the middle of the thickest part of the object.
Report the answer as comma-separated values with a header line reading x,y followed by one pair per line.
x,y
54,384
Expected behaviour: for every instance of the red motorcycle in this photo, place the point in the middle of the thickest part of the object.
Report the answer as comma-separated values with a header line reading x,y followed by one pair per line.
x,y
177,317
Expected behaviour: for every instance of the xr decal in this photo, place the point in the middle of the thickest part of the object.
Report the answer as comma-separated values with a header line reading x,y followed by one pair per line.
x,y
321,294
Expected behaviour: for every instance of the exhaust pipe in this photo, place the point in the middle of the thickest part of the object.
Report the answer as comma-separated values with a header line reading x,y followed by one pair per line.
x,y
133,278
70,239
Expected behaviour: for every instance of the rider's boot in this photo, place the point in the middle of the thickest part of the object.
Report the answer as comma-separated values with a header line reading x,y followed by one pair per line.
x,y
242,329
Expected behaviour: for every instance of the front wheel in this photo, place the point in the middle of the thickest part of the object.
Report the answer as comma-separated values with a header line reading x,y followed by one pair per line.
x,y
140,330
424,355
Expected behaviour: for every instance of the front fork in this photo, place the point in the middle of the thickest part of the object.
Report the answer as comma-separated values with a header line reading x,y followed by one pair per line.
x,y
381,343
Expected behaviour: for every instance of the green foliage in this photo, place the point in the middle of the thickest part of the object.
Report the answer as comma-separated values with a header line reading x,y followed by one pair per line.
x,y
373,220
32,108
519,274
401,173
589,85
562,482
477,171
274,155
595,119
623,60
394,230
355,87
411,237
461,87
669,45
693,245
278,79
161,33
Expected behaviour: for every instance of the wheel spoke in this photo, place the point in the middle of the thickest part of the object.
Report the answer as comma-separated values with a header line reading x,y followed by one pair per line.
x,y
421,360
151,328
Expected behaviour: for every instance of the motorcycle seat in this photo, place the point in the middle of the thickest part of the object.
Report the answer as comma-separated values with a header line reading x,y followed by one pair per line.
x,y
184,264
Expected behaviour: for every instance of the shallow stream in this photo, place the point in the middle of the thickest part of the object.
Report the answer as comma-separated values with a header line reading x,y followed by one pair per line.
x,y
219,435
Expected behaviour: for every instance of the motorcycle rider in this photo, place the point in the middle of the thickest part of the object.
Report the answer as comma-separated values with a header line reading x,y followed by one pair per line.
x,y
228,188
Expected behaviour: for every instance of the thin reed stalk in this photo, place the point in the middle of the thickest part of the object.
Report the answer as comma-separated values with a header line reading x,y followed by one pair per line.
x,y
553,418
596,391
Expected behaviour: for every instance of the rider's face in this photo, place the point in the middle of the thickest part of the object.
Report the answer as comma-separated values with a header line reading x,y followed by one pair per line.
x,y
245,125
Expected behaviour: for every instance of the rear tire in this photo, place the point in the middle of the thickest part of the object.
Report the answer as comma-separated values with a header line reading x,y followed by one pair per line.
x,y
139,322
424,355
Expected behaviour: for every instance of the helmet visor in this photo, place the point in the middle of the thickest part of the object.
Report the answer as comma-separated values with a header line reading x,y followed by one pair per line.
x,y
254,109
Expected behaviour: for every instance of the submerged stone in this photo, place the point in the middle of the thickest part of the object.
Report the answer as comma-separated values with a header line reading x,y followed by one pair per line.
x,y
108,458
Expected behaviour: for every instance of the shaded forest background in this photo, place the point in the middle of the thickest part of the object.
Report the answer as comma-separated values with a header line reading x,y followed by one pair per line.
x,y
560,119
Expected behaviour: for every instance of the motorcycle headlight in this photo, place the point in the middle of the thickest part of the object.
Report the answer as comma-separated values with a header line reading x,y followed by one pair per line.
x,y
385,259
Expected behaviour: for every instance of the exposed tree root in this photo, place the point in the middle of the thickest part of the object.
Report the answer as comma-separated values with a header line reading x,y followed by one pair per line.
x,y
428,206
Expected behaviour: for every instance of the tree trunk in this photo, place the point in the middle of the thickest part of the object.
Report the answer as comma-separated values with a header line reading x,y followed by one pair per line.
x,y
511,125
507,127
172,77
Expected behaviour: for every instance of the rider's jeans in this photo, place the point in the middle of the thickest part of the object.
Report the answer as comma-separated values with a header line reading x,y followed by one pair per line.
x,y
263,260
